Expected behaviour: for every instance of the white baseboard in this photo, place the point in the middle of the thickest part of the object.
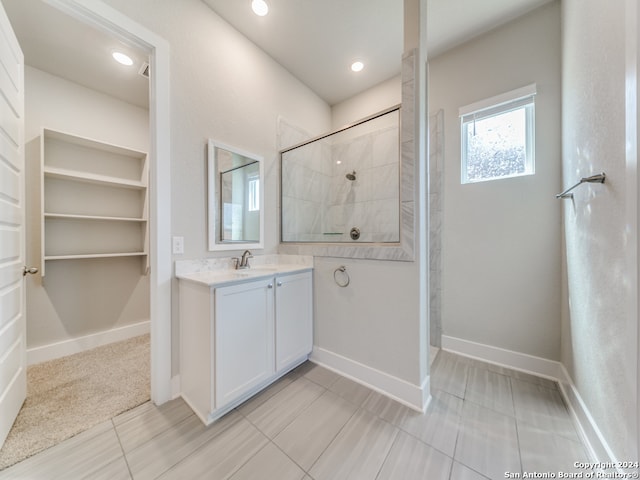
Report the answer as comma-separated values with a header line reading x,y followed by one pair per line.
x,y
500,356
588,429
414,396
594,441
80,344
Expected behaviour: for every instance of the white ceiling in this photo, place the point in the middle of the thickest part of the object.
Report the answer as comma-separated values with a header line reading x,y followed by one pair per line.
x,y
316,40
57,43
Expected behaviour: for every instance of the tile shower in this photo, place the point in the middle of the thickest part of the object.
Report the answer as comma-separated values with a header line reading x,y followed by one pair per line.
x,y
344,181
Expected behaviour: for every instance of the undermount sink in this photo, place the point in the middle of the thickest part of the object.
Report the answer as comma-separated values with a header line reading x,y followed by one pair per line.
x,y
243,273
257,270
264,268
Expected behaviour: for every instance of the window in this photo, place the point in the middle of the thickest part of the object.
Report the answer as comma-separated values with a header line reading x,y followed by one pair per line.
x,y
254,194
498,136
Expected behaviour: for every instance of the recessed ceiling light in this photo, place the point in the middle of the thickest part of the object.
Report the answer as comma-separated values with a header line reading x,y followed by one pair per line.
x,y
259,7
357,66
122,58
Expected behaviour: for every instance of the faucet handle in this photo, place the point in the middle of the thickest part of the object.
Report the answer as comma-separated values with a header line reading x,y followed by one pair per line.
x,y
236,262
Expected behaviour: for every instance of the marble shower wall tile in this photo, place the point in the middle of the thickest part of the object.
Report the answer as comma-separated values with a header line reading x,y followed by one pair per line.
x,y
399,248
375,159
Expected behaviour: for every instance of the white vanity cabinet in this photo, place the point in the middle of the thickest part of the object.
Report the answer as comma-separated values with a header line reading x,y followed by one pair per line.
x,y
293,323
243,339
239,336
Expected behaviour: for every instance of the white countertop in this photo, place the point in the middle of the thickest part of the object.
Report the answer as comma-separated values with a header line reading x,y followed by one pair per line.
x,y
217,277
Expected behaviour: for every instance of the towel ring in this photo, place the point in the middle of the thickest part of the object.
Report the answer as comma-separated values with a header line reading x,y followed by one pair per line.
x,y
344,282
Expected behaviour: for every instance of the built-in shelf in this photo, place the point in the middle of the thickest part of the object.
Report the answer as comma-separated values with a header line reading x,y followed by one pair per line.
x,y
96,255
94,200
93,217
91,178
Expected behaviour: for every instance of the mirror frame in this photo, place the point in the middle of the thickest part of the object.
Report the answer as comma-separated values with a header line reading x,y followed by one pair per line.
x,y
213,195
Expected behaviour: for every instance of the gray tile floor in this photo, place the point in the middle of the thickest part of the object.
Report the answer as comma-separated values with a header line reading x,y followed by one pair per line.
x,y
483,422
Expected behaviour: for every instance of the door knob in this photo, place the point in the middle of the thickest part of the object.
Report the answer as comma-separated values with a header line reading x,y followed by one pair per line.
x,y
29,270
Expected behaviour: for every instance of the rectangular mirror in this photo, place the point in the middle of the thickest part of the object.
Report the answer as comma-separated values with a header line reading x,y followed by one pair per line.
x,y
236,206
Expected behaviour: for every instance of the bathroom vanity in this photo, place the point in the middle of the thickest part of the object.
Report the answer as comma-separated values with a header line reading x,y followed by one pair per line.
x,y
240,330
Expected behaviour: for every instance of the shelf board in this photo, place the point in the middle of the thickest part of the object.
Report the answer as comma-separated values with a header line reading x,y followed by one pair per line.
x,y
54,172
66,216
91,143
95,255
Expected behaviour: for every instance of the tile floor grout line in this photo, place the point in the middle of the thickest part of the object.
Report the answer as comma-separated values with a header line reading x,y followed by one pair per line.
x,y
413,435
451,468
230,477
150,439
332,440
124,455
515,416
291,421
386,457
287,455
455,445
187,417
198,448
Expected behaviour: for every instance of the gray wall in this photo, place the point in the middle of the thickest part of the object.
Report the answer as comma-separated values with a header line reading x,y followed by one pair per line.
x,y
600,331
501,240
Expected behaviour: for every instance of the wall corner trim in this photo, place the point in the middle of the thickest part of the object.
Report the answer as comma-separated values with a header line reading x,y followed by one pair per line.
x,y
589,432
416,397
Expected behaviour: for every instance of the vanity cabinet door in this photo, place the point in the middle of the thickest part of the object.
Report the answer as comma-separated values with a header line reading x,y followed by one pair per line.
x,y
243,352
294,313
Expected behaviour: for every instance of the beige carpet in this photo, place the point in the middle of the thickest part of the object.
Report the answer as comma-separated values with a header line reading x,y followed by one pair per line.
x,y
69,395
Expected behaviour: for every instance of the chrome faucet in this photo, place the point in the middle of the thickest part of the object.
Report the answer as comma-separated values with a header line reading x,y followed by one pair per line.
x,y
244,261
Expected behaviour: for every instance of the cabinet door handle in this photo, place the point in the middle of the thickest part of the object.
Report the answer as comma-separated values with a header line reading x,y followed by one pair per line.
x,y
270,285
279,284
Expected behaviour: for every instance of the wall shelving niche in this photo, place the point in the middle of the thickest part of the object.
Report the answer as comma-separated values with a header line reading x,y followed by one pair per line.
x,y
94,200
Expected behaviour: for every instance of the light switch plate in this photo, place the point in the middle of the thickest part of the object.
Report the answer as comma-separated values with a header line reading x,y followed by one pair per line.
x,y
178,245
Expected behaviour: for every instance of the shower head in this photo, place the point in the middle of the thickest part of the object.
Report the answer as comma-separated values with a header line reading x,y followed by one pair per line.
x,y
351,176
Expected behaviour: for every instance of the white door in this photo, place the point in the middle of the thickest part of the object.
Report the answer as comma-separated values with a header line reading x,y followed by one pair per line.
x,y
13,373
